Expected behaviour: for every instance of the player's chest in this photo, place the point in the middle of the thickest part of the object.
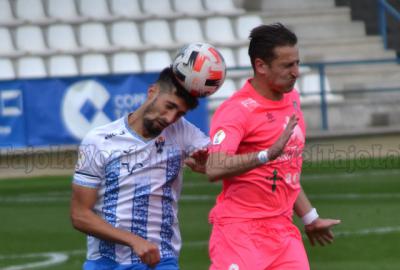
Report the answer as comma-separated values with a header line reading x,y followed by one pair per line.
x,y
267,125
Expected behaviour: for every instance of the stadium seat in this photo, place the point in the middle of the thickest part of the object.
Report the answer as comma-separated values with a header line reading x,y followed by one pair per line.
x,y
227,89
244,24
215,34
61,37
29,38
157,33
223,7
6,16
125,62
188,30
125,34
95,10
229,57
128,9
93,36
156,60
159,8
243,57
64,11
7,69
310,88
94,64
192,8
31,11
63,65
6,45
31,67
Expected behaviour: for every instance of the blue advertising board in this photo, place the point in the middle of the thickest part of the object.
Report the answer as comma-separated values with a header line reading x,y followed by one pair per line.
x,y
60,111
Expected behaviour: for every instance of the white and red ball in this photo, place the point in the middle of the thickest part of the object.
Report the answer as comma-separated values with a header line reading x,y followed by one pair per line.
x,y
200,69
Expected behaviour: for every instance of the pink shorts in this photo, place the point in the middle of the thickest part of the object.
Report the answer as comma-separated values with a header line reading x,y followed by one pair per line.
x,y
257,245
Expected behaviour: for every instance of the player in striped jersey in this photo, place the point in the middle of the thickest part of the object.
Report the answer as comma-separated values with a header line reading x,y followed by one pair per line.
x,y
128,180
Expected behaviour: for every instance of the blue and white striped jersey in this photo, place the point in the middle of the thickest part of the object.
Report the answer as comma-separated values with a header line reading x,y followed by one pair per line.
x,y
138,183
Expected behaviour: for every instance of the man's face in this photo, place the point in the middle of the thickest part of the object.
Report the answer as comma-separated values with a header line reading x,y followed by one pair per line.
x,y
164,109
283,71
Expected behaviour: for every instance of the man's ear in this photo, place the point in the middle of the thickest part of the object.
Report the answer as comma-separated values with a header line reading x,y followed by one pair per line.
x,y
153,91
260,66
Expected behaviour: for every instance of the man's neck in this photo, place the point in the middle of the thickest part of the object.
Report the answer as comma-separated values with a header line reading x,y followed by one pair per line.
x,y
135,122
262,88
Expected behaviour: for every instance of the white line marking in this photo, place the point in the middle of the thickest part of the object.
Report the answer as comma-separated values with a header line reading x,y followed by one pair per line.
x,y
51,258
363,232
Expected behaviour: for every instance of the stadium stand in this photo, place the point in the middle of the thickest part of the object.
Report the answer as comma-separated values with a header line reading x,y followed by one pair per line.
x,y
156,60
193,8
31,67
61,38
94,64
6,14
63,66
64,11
7,69
187,30
125,62
128,9
123,36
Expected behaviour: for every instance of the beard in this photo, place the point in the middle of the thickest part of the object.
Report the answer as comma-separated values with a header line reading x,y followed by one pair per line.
x,y
153,127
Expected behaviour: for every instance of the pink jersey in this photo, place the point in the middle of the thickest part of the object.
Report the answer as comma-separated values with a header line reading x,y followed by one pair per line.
x,y
248,122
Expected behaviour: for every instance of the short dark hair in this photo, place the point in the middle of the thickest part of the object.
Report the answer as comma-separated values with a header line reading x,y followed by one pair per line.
x,y
265,38
168,83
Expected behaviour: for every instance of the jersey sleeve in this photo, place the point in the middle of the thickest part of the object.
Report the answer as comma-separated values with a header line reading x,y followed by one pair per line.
x,y
89,167
193,137
228,127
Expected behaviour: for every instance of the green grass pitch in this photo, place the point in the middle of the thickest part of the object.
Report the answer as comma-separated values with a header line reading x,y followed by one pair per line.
x,y
365,195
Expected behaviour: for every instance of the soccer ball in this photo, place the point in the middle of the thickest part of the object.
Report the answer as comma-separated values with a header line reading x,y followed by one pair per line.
x,y
200,69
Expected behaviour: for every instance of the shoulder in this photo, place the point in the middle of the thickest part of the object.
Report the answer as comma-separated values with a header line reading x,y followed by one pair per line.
x,y
239,106
294,94
99,135
181,126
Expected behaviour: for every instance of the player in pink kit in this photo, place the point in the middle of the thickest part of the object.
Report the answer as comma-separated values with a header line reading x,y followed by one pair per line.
x,y
258,137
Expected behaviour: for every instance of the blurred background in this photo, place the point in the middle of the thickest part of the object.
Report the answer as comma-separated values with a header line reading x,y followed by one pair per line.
x,y
67,66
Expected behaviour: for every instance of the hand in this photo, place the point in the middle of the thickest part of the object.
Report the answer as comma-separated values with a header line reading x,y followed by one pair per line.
x,y
197,160
320,231
148,252
277,148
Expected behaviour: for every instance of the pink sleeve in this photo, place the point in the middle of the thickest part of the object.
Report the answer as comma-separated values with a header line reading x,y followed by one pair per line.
x,y
227,128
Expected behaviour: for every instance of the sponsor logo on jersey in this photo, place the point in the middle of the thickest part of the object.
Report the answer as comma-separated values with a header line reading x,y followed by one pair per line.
x,y
109,136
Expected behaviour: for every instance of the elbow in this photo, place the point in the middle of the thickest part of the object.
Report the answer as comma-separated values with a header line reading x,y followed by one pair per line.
x,y
77,220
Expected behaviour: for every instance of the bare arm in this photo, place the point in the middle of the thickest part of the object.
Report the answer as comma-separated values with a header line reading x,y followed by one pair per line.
x,y
319,230
221,165
302,205
85,220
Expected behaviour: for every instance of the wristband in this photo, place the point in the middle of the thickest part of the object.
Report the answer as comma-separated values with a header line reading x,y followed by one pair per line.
x,y
310,217
263,156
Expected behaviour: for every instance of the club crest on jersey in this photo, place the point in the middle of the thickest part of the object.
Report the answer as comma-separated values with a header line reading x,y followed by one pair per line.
x,y
159,143
219,137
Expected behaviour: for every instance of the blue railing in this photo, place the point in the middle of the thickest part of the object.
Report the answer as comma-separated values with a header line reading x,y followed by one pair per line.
x,y
321,67
384,8
322,92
